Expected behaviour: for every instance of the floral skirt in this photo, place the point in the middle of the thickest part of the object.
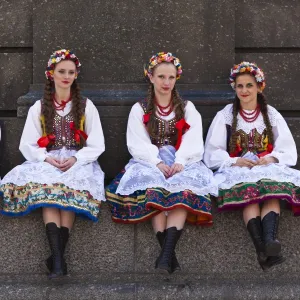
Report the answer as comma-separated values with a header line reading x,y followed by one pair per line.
x,y
144,204
240,186
38,184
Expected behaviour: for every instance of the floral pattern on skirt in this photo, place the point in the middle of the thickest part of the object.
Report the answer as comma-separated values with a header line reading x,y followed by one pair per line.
x,y
144,204
21,200
243,194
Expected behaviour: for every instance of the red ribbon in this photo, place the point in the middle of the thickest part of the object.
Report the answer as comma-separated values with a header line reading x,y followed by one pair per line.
x,y
181,126
238,149
44,141
146,118
268,151
78,133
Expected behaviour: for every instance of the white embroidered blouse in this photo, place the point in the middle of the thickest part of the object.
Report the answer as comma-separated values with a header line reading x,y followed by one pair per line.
x,y
33,131
216,155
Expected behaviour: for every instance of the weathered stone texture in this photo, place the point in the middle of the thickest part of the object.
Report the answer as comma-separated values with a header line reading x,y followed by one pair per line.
x,y
15,78
264,23
114,39
11,134
16,23
102,247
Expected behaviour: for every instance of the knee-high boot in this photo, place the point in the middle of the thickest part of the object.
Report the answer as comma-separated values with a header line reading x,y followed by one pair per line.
x,y
53,235
270,224
161,238
64,236
254,228
270,227
165,259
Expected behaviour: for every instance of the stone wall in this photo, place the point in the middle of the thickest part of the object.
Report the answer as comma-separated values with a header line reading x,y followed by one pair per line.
x,y
113,39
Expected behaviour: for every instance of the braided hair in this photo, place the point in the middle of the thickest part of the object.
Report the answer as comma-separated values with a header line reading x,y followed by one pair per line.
x,y
48,110
264,110
178,107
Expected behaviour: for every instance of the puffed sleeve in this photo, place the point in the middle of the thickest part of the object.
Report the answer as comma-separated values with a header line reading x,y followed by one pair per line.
x,y
31,133
215,154
138,140
191,148
95,142
284,145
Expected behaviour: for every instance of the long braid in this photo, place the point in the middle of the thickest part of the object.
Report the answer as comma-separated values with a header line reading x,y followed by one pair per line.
x,y
151,110
264,110
233,137
178,104
47,106
77,108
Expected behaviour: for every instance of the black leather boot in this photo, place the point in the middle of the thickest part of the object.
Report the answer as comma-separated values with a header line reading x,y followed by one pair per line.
x,y
165,259
270,227
161,237
175,264
274,261
64,236
53,235
254,228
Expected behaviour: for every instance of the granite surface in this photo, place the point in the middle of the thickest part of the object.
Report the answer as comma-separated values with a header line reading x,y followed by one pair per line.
x,y
114,39
16,23
15,78
267,24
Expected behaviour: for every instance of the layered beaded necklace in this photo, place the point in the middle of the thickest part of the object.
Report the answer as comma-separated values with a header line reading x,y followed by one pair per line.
x,y
162,109
251,116
62,105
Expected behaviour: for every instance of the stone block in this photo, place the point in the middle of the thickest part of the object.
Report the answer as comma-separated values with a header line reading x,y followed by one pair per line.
x,y
15,77
11,134
16,23
100,248
223,251
267,23
113,47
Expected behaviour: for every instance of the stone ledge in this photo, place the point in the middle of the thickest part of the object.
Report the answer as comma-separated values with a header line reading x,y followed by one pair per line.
x,y
93,286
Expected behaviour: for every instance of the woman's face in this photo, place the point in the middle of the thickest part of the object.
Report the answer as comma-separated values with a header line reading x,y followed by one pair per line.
x,y
246,89
64,74
164,78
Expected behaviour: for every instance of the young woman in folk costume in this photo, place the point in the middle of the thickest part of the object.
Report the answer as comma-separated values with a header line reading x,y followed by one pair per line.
x,y
165,180
251,147
61,142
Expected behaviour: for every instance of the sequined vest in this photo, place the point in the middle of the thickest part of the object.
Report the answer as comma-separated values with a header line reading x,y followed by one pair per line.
x,y
253,142
64,135
166,132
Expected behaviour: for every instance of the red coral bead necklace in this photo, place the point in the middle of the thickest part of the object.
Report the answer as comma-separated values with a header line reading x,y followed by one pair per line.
x,y
251,116
162,109
62,105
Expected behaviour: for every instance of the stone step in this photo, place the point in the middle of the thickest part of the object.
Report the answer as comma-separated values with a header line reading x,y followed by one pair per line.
x,y
144,287
107,247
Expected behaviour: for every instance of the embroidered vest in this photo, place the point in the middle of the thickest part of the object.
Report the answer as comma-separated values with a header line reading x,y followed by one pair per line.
x,y
253,142
165,131
64,135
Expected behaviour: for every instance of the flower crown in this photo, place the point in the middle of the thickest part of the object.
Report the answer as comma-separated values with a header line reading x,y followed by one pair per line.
x,y
58,56
251,68
162,57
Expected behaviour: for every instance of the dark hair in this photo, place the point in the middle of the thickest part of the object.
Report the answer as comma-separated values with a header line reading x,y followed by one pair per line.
x,y
48,110
178,107
264,110
177,102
